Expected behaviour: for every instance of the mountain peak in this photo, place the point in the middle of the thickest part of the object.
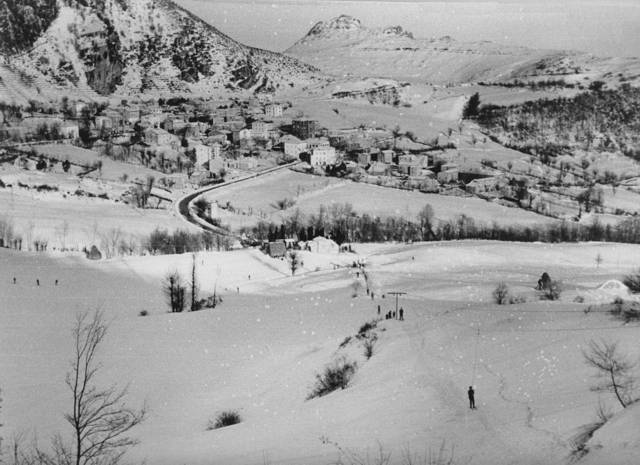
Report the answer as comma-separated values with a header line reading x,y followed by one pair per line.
x,y
340,23
346,25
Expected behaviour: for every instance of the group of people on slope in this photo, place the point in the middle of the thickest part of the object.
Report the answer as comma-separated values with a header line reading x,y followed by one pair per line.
x,y
392,314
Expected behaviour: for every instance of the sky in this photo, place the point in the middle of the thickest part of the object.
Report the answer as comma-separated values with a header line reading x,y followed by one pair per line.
x,y
606,28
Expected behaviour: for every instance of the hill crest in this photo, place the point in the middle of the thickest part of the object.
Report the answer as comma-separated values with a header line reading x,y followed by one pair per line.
x,y
346,26
145,46
345,47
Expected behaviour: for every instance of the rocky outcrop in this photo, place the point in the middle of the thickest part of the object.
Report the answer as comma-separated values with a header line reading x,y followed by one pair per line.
x,y
143,46
23,21
348,26
384,94
341,23
397,31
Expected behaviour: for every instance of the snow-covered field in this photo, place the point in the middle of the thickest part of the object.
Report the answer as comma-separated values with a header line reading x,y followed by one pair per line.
x,y
425,120
256,199
111,170
77,222
259,351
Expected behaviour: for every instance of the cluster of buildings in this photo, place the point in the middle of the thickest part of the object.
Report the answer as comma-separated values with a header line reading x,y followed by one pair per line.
x,y
206,138
317,151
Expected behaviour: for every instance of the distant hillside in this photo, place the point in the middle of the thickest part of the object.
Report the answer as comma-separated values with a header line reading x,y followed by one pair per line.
x,y
23,21
597,120
343,46
132,47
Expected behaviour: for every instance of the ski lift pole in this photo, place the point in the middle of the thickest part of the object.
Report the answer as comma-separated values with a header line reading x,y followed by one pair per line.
x,y
475,356
396,293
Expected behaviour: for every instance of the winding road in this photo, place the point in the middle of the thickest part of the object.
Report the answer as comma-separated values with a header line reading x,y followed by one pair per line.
x,y
184,205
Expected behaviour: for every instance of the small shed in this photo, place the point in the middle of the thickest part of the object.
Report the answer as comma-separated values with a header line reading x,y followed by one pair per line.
x,y
277,249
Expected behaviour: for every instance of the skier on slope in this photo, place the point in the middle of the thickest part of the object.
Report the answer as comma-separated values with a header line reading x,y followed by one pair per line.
x,y
472,400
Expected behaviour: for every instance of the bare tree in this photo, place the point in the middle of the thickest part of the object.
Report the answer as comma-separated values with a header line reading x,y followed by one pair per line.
x,y
425,217
110,240
294,262
194,285
28,233
6,231
100,418
149,185
599,260
62,232
396,133
174,290
614,370
501,293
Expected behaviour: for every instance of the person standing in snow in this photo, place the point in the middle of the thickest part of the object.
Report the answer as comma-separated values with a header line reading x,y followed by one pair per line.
x,y
14,279
401,314
472,399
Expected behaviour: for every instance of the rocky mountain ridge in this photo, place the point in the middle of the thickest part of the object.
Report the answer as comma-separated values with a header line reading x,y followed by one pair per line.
x,y
344,47
348,26
144,46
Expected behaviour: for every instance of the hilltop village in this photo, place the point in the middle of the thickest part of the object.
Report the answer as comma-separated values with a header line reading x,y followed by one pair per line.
x,y
191,143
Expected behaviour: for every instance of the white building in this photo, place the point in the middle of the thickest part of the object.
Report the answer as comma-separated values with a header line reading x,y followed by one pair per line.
x,y
317,142
79,106
153,136
273,110
103,122
216,150
387,156
131,114
261,129
70,130
448,173
203,153
242,134
293,146
243,163
154,119
215,165
322,156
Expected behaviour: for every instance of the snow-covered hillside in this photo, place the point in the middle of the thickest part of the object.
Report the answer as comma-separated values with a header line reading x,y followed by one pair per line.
x,y
147,46
345,47
259,351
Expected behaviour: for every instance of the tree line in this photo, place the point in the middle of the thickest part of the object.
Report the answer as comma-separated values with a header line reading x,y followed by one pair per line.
x,y
113,242
342,224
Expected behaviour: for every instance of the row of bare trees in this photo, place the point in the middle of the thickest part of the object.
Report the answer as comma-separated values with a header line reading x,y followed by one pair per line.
x,y
343,224
174,288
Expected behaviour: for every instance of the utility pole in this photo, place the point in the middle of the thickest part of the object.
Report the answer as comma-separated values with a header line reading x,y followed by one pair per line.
x,y
396,294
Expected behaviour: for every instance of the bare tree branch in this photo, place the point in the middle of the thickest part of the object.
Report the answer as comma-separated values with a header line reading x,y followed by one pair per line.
x,y
614,370
100,418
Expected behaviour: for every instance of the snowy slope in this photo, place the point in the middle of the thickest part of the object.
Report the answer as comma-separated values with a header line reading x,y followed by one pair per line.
x,y
260,350
618,441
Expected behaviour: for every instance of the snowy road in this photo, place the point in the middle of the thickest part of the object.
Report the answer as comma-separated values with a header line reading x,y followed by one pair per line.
x,y
183,206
